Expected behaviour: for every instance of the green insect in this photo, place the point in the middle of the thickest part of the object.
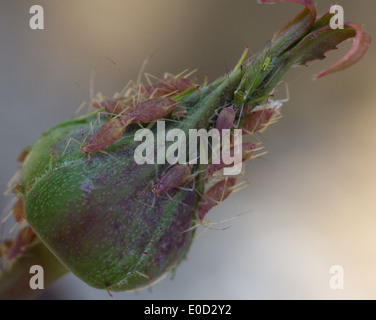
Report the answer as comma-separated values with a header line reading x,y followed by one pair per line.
x,y
266,63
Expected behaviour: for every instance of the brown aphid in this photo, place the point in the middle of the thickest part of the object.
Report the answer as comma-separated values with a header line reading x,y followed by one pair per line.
x,y
18,210
114,106
24,237
106,135
150,110
170,86
257,121
176,176
247,151
215,195
145,112
225,119
21,157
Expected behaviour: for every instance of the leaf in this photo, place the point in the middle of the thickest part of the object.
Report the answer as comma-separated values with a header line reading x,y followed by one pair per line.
x,y
317,43
361,43
296,28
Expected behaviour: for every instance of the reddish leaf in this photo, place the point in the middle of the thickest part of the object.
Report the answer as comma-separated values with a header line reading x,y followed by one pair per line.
x,y
361,43
294,29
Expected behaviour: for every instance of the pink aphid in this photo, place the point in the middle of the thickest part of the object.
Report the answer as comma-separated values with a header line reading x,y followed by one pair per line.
x,y
225,119
18,210
247,151
215,195
176,176
150,110
170,86
114,106
106,135
257,121
146,111
24,237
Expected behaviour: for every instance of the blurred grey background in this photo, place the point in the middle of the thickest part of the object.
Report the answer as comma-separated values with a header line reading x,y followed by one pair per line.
x,y
310,200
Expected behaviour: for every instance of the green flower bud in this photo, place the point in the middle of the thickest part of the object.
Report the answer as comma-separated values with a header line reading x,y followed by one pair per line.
x,y
120,225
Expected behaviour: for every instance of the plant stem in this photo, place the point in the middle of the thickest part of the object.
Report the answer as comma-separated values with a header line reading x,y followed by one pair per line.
x,y
15,278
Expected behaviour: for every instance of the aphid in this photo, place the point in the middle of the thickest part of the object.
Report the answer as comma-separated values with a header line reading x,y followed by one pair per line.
x,y
225,119
257,121
247,151
145,112
106,135
114,106
150,110
266,63
168,87
215,195
18,210
260,116
176,176
21,157
24,237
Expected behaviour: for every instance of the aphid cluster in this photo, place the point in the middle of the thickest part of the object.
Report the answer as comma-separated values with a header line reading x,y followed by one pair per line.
x,y
120,225
143,105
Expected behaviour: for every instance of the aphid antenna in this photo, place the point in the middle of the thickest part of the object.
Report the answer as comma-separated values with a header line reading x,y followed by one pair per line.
x,y
172,93
113,157
236,216
259,155
207,224
146,204
147,76
138,95
79,109
240,186
67,145
178,201
191,228
128,88
240,116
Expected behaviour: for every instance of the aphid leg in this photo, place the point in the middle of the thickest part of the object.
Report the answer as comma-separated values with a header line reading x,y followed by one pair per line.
x,y
78,110
240,116
215,195
24,237
68,143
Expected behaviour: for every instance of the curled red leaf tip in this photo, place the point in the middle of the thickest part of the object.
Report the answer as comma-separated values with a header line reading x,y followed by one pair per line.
x,y
361,43
309,4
